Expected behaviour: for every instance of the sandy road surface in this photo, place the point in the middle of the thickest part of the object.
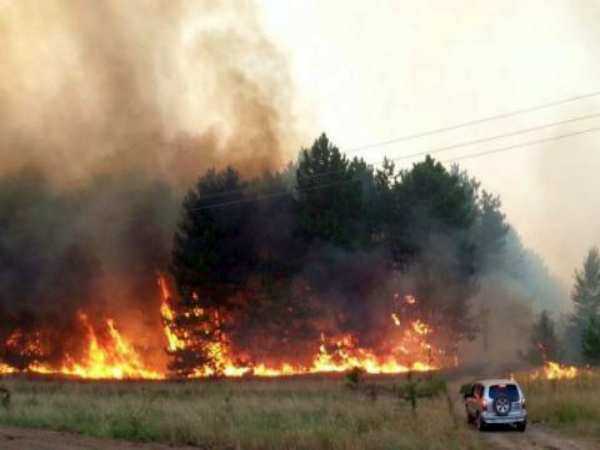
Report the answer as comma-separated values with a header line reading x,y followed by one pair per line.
x,y
535,438
26,439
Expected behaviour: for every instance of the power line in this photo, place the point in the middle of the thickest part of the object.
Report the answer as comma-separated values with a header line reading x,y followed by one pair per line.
x,y
516,112
459,158
455,127
276,194
524,144
476,141
441,149
496,137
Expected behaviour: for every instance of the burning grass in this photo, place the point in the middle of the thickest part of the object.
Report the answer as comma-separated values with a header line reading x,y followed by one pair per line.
x,y
409,348
108,354
306,413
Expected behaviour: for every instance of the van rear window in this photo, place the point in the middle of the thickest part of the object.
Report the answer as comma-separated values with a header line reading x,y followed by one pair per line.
x,y
510,390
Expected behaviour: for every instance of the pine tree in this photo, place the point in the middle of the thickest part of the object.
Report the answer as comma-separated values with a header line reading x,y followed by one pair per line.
x,y
212,259
586,299
544,342
234,262
433,213
590,341
586,292
213,251
332,196
269,267
197,338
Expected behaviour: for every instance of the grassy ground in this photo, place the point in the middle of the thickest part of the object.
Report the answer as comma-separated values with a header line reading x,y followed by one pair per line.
x,y
571,406
307,414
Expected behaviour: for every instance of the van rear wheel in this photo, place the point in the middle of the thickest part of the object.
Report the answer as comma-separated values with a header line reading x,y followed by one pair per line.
x,y
521,426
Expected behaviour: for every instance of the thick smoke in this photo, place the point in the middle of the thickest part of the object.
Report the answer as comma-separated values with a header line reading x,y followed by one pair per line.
x,y
167,86
514,290
569,177
108,111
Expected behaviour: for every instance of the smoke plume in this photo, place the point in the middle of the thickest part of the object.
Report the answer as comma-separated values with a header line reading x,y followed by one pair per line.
x,y
108,112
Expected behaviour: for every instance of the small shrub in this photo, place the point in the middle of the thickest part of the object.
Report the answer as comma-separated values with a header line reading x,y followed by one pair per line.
x,y
355,378
413,389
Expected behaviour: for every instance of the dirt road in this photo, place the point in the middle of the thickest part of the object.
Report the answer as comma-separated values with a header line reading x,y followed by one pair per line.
x,y
535,438
26,439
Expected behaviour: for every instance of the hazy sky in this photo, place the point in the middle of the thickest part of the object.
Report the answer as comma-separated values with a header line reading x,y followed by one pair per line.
x,y
370,71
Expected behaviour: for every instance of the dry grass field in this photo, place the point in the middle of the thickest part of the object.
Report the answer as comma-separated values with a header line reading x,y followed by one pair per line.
x,y
299,413
244,414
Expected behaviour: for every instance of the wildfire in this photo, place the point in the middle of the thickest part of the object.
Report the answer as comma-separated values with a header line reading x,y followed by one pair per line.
x,y
555,371
334,354
420,328
343,358
348,356
117,359
6,370
113,358
108,354
173,342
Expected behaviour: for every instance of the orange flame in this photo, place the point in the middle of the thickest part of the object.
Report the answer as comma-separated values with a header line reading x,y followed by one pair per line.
x,y
6,370
555,371
421,328
114,359
112,356
334,355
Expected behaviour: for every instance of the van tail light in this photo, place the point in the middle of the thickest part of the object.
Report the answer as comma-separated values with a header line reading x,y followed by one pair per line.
x,y
484,404
523,403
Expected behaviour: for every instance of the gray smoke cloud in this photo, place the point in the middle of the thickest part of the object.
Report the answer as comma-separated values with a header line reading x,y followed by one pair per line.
x,y
108,112
166,86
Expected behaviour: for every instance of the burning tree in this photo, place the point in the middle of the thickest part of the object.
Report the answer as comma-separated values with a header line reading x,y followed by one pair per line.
x,y
233,262
193,338
211,257
435,240
544,342
268,276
